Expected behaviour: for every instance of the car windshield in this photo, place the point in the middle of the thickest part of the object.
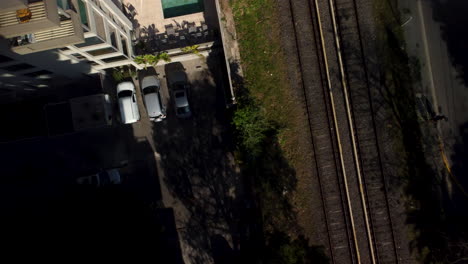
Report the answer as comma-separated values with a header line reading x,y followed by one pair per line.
x,y
183,110
179,94
150,89
125,93
179,86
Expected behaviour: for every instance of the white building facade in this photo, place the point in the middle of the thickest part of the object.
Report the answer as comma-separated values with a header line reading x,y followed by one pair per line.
x,y
108,36
45,43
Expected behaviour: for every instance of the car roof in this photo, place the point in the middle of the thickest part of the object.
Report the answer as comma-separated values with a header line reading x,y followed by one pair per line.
x,y
152,104
181,101
128,110
125,86
151,80
178,76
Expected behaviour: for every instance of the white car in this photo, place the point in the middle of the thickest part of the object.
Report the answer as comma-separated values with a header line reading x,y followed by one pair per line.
x,y
107,177
150,86
127,103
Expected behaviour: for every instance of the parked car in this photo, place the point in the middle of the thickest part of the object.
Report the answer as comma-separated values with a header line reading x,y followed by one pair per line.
x,y
127,102
181,100
150,87
106,177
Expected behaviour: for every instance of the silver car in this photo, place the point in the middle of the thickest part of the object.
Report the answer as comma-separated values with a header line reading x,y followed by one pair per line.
x,y
127,103
181,100
150,86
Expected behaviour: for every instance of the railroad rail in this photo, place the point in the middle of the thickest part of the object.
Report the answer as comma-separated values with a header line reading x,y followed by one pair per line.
x,y
338,103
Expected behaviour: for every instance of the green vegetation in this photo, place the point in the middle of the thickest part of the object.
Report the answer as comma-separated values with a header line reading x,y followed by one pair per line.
x,y
151,59
192,49
266,100
259,119
265,123
253,129
282,250
122,73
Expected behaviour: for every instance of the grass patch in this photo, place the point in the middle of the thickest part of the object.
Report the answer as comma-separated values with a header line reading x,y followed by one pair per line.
x,y
266,123
263,118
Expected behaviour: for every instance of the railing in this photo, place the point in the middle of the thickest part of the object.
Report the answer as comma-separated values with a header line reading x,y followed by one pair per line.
x,y
66,29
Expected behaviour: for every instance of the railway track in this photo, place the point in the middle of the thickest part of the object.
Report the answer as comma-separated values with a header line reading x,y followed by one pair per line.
x,y
344,140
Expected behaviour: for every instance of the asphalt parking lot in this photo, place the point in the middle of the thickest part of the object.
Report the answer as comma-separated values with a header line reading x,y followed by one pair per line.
x,y
197,172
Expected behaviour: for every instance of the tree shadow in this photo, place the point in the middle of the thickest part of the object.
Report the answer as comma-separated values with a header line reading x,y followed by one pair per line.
x,y
199,166
222,251
452,16
456,200
430,215
227,205
46,210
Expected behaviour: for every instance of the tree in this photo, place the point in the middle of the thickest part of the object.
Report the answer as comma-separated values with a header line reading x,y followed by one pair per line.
x,y
121,73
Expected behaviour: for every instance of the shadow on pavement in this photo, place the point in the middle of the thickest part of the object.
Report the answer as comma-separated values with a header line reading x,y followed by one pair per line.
x,y
452,15
45,210
108,222
199,165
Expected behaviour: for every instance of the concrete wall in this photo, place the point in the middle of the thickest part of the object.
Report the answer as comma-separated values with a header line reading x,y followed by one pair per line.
x,y
75,37
50,21
64,70
12,5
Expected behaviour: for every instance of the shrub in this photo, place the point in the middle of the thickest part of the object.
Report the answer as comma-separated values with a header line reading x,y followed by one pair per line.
x,y
150,59
282,249
252,129
121,73
192,49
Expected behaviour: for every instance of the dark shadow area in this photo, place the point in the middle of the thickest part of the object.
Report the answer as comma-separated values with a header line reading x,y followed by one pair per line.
x,y
25,119
45,211
47,214
267,178
199,166
81,222
452,16
222,252
282,249
456,202
46,114
436,221
460,158
53,81
200,156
